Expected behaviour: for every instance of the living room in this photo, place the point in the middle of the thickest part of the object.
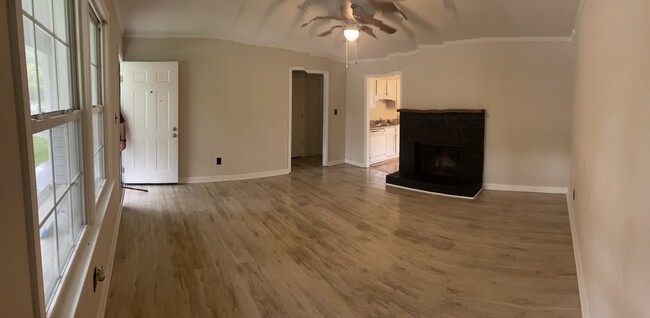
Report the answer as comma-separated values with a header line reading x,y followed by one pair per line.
x,y
565,167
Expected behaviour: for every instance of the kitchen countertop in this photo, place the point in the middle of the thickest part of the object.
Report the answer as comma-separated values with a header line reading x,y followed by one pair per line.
x,y
382,126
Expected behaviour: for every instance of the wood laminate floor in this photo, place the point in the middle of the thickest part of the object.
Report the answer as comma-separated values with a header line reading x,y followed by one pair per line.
x,y
333,242
388,166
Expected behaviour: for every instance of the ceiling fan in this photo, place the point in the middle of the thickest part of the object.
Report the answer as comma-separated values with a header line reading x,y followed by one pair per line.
x,y
355,18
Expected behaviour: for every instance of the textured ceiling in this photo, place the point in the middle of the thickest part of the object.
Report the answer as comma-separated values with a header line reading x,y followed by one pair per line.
x,y
276,23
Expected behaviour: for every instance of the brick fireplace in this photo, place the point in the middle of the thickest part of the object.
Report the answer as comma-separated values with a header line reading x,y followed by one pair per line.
x,y
441,151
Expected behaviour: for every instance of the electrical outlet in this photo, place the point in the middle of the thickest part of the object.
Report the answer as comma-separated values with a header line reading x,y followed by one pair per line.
x,y
336,111
218,161
574,194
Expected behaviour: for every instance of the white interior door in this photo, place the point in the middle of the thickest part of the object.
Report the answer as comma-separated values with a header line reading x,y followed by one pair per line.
x,y
150,108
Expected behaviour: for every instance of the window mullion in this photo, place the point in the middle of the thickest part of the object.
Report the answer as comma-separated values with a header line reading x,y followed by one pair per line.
x,y
47,215
56,236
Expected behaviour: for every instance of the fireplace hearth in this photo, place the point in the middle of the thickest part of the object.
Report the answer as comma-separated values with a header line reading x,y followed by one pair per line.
x,y
441,151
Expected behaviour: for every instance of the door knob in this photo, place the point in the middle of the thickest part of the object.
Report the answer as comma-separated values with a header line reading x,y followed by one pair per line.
x,y
174,135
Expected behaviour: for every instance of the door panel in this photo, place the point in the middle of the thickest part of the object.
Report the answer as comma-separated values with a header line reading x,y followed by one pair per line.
x,y
150,97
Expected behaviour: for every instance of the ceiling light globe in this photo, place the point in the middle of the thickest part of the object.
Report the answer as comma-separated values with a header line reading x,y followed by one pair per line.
x,y
351,33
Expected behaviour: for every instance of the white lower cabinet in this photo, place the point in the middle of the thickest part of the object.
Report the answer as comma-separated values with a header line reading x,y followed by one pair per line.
x,y
377,145
389,133
384,143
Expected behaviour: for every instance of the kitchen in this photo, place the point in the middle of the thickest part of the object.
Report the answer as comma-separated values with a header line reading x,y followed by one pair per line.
x,y
384,94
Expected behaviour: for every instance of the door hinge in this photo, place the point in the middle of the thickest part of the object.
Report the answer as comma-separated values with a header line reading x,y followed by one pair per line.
x,y
121,79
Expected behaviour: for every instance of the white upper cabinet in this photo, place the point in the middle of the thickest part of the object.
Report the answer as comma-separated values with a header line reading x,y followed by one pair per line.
x,y
391,89
386,89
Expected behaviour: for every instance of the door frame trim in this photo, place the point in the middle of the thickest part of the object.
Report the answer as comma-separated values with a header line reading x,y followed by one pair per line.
x,y
366,113
326,76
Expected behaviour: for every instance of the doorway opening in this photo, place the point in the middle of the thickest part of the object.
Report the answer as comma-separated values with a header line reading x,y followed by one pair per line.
x,y
308,116
383,100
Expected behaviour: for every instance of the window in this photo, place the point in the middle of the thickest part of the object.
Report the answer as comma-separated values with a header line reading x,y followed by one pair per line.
x,y
95,32
59,194
56,135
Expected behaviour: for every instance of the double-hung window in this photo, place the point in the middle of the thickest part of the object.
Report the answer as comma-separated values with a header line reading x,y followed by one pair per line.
x,y
97,99
55,127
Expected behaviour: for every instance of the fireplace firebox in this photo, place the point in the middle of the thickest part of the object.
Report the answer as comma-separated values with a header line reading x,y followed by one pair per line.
x,y
433,160
441,151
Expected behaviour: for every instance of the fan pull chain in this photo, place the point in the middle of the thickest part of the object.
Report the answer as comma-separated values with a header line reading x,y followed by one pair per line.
x,y
356,51
346,54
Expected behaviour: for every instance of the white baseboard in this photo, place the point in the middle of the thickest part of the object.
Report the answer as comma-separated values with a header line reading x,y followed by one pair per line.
x,y
355,163
235,177
335,162
582,289
523,188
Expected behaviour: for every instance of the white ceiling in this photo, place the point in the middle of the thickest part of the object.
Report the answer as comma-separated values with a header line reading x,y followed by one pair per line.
x,y
276,23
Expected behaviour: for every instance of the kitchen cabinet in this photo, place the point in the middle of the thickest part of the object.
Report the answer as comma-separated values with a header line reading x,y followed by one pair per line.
x,y
377,145
389,134
391,89
384,143
397,141
386,89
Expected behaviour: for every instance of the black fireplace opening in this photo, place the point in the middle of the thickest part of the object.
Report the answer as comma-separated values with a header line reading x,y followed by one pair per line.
x,y
437,160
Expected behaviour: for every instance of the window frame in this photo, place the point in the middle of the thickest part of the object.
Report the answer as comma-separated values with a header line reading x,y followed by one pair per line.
x,y
72,280
44,121
95,18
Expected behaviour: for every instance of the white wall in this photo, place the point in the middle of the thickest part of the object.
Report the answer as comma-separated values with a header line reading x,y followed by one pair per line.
x,y
611,156
525,86
15,278
234,103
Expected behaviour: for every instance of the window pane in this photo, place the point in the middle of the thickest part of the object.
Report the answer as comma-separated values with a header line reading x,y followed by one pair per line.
x,y
43,171
27,6
43,12
93,42
60,19
98,150
64,230
98,131
93,85
75,148
99,171
77,211
61,153
47,234
63,70
46,71
30,58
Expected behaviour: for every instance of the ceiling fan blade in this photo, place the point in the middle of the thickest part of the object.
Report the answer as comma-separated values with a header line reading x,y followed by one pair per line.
x,y
328,32
323,18
367,30
386,7
346,10
378,23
